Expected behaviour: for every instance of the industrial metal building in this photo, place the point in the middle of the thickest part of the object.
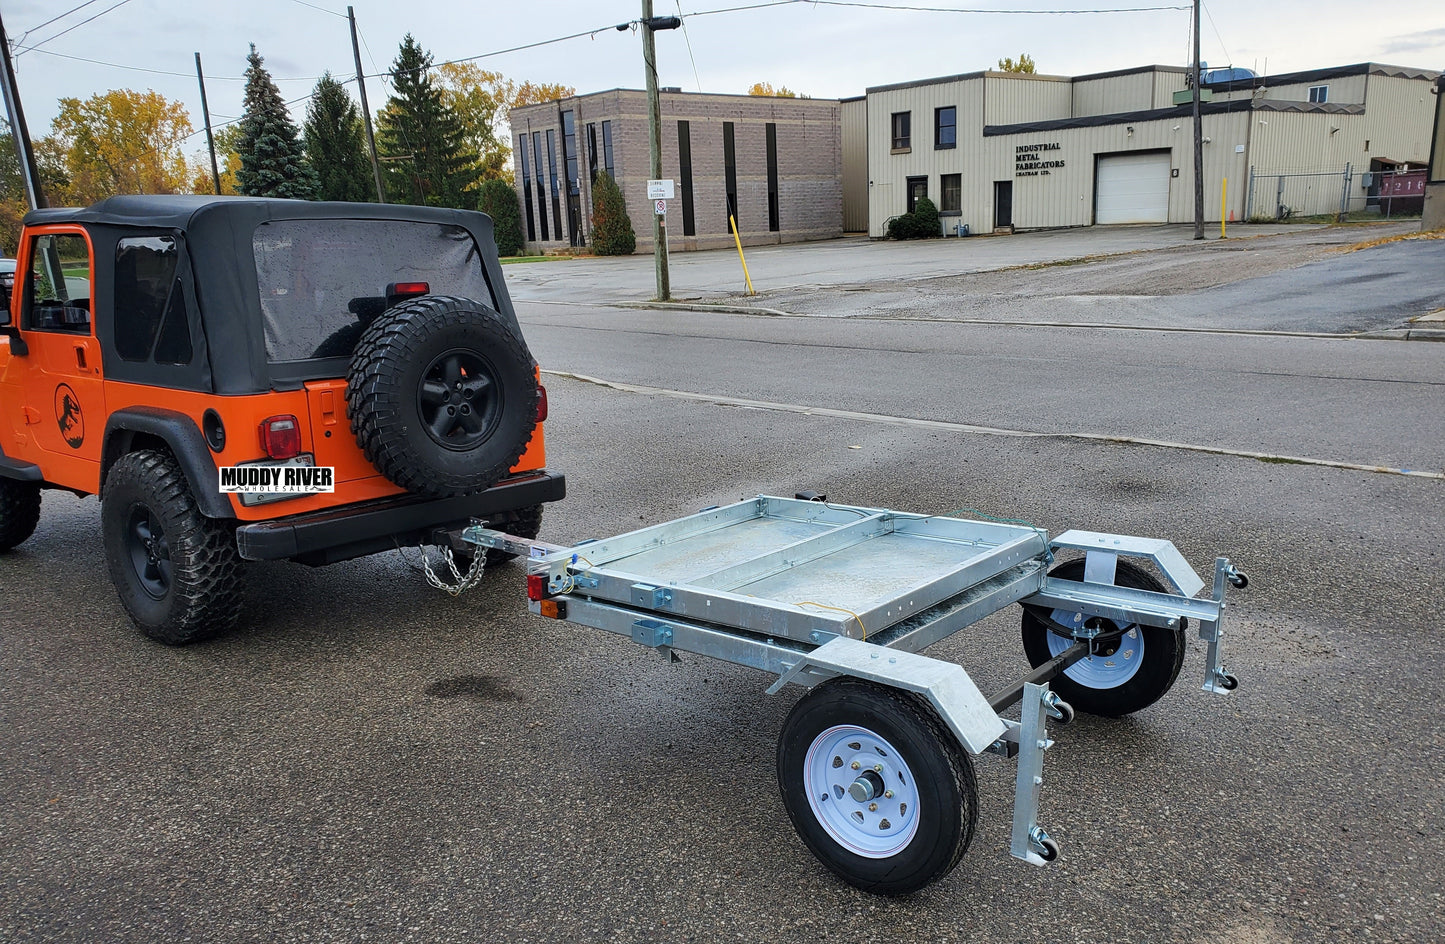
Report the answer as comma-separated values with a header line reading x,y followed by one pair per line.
x,y
773,163
1002,151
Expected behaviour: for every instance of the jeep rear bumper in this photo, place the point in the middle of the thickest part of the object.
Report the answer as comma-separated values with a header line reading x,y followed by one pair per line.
x,y
338,534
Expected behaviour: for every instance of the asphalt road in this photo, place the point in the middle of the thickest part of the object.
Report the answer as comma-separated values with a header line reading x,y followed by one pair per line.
x,y
372,760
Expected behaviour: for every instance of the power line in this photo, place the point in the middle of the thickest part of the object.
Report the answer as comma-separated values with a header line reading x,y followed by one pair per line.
x,y
184,75
322,9
979,10
24,49
53,19
688,40
1227,56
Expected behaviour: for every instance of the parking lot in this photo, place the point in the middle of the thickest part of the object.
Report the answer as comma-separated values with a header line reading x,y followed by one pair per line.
x,y
369,759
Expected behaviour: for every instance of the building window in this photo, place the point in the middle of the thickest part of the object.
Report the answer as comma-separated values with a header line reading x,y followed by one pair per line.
x,y
527,189
592,151
684,166
539,172
1319,94
902,131
730,174
607,149
917,190
945,128
950,193
552,175
773,214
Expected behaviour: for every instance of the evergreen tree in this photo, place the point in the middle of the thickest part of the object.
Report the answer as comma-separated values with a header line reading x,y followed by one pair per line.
x,y
272,164
612,233
498,199
429,161
334,144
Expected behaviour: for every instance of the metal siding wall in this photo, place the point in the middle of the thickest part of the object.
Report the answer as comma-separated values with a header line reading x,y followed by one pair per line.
x,y
888,172
1399,119
1344,90
1113,95
855,165
1165,85
1012,99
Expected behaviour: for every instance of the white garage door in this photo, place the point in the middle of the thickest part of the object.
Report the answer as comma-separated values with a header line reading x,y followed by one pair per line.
x,y
1133,188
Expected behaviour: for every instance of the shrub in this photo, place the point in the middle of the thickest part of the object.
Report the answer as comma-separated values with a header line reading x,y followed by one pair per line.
x,y
498,200
925,219
922,223
612,233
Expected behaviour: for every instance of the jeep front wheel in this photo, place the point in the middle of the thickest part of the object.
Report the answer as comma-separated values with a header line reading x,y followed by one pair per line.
x,y
177,572
442,396
19,512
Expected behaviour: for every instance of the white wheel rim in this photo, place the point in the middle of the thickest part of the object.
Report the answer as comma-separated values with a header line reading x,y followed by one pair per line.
x,y
877,827
1097,671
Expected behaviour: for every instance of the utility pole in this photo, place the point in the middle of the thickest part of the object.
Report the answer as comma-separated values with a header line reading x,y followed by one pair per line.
x,y
651,24
365,108
18,129
206,115
1198,137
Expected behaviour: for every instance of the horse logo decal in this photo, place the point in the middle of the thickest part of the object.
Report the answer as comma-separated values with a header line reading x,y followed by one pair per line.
x,y
68,416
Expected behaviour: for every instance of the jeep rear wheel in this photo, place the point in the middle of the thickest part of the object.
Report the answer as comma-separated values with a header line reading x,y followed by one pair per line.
x,y
442,396
177,572
19,512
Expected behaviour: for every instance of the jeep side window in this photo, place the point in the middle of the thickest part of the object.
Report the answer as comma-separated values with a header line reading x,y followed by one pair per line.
x,y
150,310
60,284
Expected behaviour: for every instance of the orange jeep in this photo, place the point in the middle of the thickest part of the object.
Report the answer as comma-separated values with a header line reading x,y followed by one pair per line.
x,y
243,379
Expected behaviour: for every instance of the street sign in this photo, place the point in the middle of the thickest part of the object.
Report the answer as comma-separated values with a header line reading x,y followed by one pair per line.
x,y
659,190
660,206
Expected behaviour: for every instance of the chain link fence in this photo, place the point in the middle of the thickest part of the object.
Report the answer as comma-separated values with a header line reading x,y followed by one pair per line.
x,y
1337,193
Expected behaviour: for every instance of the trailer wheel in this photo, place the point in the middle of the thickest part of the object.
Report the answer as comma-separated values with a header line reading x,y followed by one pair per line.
x,y
1133,666
879,790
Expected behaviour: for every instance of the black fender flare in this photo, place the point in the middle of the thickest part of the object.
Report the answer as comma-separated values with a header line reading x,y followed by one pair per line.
x,y
185,441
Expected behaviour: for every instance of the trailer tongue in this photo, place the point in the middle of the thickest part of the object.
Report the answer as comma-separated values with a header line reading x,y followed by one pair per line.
x,y
874,762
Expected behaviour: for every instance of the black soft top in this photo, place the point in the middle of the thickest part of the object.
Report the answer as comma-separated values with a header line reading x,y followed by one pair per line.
x,y
217,236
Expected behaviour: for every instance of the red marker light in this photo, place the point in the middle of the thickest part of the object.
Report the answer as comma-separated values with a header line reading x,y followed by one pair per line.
x,y
408,289
541,404
536,586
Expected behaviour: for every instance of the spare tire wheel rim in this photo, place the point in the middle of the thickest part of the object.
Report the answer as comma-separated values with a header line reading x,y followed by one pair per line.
x,y
460,399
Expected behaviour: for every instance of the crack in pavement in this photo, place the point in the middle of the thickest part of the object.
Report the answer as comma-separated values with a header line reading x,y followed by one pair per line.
x,y
944,425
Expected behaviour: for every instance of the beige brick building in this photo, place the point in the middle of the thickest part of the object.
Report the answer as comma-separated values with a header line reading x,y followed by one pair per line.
x,y
774,163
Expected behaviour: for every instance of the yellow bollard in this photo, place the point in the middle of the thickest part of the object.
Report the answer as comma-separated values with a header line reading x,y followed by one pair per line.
x,y
734,224
1223,191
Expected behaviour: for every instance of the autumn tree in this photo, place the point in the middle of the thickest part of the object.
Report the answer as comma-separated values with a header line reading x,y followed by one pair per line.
x,y
120,141
333,135
766,90
272,162
481,100
429,159
1024,65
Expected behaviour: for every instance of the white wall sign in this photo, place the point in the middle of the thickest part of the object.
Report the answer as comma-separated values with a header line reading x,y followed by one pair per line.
x,y
659,190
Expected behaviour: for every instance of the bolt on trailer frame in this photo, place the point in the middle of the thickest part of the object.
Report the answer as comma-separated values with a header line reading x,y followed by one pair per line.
x,y
814,592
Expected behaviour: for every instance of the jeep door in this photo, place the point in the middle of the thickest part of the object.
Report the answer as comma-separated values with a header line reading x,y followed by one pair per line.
x,y
62,395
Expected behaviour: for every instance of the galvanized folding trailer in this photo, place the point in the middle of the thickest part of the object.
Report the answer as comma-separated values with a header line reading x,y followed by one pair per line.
x,y
874,764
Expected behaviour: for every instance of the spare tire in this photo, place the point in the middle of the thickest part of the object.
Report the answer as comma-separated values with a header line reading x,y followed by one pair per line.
x,y
442,396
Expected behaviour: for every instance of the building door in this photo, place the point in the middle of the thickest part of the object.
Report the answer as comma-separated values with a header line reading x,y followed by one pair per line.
x,y
917,190
1132,188
1003,204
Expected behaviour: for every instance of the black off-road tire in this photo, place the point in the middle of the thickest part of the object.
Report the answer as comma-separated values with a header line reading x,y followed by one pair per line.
x,y
946,790
19,512
442,396
187,584
1163,652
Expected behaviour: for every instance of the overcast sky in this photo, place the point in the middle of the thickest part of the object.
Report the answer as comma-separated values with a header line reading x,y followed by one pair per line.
x,y
824,50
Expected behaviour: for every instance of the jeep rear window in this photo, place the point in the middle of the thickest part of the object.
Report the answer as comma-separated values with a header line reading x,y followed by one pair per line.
x,y
322,281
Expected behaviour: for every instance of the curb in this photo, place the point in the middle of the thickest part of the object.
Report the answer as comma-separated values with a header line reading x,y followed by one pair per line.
x,y
704,306
1405,334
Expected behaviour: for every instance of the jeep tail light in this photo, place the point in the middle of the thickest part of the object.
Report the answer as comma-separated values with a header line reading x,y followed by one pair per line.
x,y
536,587
541,404
399,290
281,436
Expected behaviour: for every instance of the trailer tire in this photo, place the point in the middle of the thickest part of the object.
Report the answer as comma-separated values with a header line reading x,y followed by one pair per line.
x,y
924,800
1148,657
442,396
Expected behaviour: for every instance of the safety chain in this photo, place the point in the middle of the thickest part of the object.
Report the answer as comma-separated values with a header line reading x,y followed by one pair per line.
x,y
460,583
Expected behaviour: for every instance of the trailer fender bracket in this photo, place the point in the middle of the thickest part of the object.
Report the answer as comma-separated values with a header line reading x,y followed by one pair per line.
x,y
945,685
1176,570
